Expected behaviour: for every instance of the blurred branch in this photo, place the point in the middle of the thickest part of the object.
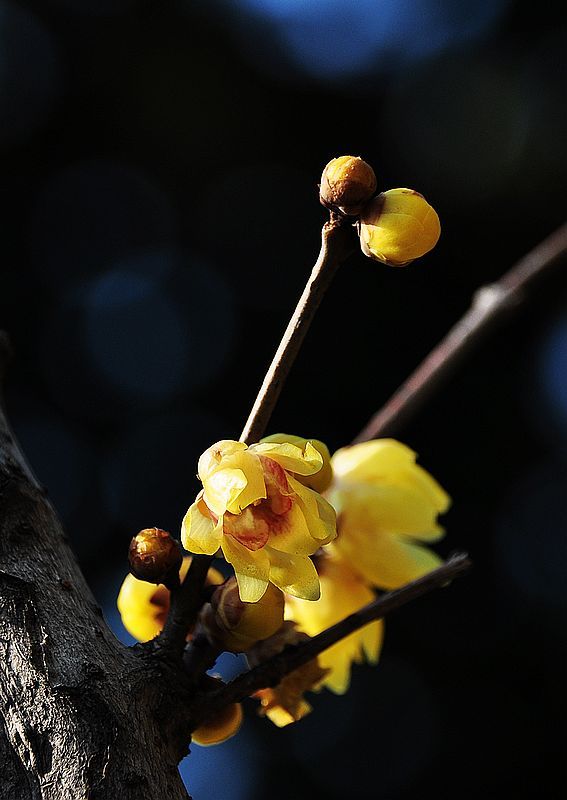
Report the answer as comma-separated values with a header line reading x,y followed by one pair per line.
x,y
270,672
490,304
336,245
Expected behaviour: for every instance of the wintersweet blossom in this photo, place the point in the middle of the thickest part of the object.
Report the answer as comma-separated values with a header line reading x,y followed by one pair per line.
x,y
398,226
143,606
285,703
342,593
266,522
387,508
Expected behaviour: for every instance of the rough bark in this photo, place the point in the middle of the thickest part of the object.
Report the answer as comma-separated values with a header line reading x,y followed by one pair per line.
x,y
81,715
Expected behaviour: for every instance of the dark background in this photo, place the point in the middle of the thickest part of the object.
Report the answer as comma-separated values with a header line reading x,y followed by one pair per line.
x,y
159,182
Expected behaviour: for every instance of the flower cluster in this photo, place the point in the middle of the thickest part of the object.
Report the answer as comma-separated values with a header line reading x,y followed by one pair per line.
x,y
310,538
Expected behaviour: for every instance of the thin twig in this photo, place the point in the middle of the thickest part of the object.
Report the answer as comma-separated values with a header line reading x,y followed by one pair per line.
x,y
490,304
270,672
337,244
186,602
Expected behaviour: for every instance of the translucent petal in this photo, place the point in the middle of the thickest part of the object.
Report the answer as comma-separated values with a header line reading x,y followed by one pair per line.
x,y
294,574
200,534
386,560
291,457
342,592
383,509
372,461
212,458
290,533
252,569
318,512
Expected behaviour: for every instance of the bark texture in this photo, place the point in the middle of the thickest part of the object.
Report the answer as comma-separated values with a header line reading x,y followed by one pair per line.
x,y
82,716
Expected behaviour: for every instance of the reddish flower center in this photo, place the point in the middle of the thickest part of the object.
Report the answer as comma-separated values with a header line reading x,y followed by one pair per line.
x,y
254,525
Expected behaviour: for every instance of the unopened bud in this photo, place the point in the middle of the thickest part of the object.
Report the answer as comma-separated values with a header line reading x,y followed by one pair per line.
x,y
155,556
347,183
144,607
219,727
236,626
319,481
398,226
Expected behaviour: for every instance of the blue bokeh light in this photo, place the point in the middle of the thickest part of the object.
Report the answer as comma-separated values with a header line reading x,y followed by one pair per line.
x,y
93,213
135,334
334,38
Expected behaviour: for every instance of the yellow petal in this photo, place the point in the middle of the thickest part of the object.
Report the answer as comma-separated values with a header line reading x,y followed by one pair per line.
x,y
200,534
387,561
281,716
342,593
319,513
255,487
220,727
140,616
293,574
252,569
372,461
214,456
291,534
290,457
379,510
222,490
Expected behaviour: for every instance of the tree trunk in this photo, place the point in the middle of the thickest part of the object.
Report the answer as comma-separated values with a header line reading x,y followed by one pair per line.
x,y
82,716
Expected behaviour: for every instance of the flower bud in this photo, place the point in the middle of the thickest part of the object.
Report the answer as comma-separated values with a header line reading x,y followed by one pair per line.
x,y
219,727
155,556
319,481
144,608
347,183
236,626
398,226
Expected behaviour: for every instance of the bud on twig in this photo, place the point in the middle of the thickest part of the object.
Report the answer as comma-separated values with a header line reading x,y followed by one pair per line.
x,y
155,556
236,626
347,184
398,226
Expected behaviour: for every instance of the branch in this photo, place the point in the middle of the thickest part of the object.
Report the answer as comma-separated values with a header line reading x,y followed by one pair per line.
x,y
337,244
490,304
270,672
185,604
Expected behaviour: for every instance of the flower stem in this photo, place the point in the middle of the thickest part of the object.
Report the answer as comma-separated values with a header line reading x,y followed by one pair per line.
x,y
490,304
336,245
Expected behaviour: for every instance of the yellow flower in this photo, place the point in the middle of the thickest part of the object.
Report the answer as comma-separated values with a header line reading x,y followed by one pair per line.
x,y
342,593
143,606
264,520
285,703
387,508
220,727
398,226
